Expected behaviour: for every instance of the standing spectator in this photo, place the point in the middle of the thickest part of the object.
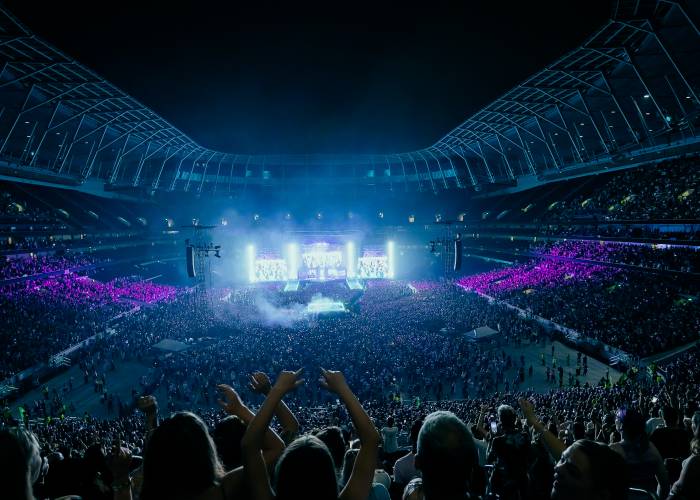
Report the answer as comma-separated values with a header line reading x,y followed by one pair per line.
x,y
644,463
446,457
20,464
405,467
672,441
688,485
390,443
510,453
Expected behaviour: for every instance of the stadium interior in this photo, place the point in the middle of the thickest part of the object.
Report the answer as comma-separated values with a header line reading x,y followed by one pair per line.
x,y
511,312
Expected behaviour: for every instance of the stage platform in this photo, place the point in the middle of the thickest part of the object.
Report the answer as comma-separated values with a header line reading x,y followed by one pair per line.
x,y
325,305
354,284
292,286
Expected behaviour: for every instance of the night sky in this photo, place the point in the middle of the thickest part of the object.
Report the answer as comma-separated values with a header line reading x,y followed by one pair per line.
x,y
310,79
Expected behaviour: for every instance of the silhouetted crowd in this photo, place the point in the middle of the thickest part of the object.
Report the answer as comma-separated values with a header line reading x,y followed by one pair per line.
x,y
664,191
586,442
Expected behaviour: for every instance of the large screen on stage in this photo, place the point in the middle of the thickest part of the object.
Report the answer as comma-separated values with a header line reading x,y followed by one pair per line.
x,y
374,264
270,269
322,261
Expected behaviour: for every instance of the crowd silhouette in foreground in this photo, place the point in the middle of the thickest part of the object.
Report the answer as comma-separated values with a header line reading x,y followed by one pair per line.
x,y
590,442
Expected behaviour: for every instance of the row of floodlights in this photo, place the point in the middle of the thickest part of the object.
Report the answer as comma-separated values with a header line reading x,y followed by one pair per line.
x,y
319,216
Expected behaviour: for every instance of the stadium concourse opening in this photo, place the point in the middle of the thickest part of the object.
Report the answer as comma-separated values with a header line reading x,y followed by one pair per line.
x,y
438,253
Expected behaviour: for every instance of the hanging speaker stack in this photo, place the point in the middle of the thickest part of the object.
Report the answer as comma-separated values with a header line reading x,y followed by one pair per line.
x,y
458,253
190,261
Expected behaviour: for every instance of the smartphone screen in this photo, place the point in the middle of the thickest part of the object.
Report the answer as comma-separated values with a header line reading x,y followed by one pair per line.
x,y
494,427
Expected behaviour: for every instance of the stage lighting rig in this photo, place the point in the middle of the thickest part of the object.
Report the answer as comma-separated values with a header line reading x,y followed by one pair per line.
x,y
198,250
448,247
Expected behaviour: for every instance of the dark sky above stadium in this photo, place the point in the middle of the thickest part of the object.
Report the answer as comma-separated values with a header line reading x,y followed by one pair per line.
x,y
255,77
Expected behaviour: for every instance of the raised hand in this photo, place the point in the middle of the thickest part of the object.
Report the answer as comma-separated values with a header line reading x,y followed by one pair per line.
x,y
333,381
287,381
260,383
231,401
147,404
528,411
119,460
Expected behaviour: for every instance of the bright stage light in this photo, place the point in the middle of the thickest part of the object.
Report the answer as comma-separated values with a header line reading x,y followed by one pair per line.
x,y
350,264
390,257
293,261
250,258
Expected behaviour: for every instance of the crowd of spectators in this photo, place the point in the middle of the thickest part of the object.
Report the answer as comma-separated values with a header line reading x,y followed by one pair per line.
x,y
636,311
49,314
649,256
684,259
20,211
664,191
516,444
22,266
409,389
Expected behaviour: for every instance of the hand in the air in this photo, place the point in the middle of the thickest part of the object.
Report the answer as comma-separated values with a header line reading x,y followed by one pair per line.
x,y
231,401
260,383
333,381
287,381
528,411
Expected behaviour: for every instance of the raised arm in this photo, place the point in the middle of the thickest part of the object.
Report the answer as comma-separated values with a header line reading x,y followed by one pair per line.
x,y
149,406
118,462
360,483
260,383
272,446
480,421
555,446
254,464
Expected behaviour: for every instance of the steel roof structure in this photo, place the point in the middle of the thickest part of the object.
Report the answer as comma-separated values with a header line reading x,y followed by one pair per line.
x,y
632,86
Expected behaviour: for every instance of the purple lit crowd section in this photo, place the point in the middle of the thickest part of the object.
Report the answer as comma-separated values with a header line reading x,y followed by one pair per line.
x,y
658,256
49,314
83,291
626,307
545,273
70,287
38,264
554,268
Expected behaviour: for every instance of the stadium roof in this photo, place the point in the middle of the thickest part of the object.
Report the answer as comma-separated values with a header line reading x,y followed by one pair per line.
x,y
631,86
